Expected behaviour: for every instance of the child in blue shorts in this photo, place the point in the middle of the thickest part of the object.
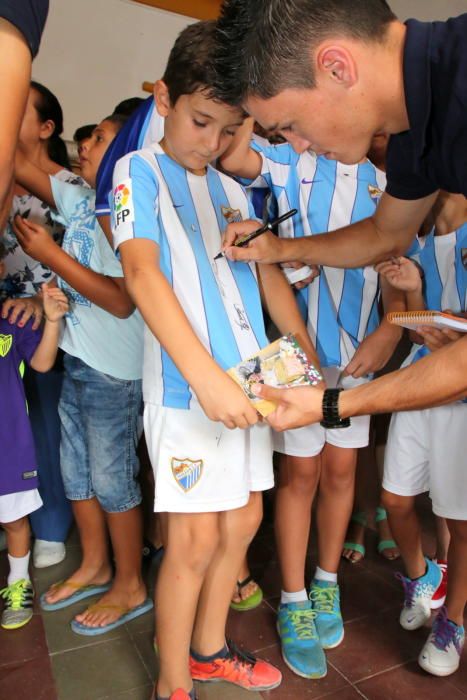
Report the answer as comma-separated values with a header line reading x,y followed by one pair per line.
x,y
101,396
203,316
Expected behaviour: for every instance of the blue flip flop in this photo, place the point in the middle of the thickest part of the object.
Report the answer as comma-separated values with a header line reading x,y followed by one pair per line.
x,y
86,630
80,593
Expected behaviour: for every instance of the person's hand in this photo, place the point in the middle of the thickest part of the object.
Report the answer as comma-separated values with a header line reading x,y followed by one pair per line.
x,y
296,265
19,311
223,400
266,248
375,351
34,239
296,407
55,303
401,273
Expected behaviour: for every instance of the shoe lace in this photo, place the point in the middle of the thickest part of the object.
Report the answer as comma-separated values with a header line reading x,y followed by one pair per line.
x,y
240,658
303,622
410,588
14,594
324,599
445,632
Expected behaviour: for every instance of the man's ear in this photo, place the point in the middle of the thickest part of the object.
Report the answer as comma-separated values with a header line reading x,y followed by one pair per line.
x,y
161,98
338,64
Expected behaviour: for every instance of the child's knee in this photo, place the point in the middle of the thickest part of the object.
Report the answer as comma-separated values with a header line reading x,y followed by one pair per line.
x,y
458,530
16,527
195,546
396,504
300,474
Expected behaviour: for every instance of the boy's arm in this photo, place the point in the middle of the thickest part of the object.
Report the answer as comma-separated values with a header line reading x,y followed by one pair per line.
x,y
403,274
220,397
55,307
107,292
33,179
240,159
375,351
283,310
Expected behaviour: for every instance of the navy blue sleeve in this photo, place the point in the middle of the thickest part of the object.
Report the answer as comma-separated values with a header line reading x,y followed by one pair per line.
x,y
127,140
403,180
28,16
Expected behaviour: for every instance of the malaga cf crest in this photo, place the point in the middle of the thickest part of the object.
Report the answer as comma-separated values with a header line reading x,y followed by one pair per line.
x,y
187,472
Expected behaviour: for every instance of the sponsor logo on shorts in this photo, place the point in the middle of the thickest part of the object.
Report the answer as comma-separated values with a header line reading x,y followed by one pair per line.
x,y
375,193
187,472
29,475
5,344
123,210
231,215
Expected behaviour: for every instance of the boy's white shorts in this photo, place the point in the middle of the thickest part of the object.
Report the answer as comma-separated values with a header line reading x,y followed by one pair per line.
x,y
201,466
14,506
310,440
426,452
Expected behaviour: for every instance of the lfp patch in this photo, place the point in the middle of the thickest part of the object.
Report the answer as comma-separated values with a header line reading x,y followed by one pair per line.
x,y
375,193
187,472
122,203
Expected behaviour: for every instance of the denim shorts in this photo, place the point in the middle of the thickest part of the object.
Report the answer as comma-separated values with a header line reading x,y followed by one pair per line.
x,y
100,416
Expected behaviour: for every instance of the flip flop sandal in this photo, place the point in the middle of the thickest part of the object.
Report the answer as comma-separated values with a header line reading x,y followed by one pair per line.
x,y
385,544
81,592
126,616
250,602
358,517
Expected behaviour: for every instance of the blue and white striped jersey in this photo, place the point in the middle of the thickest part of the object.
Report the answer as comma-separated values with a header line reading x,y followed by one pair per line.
x,y
144,127
444,263
185,214
341,306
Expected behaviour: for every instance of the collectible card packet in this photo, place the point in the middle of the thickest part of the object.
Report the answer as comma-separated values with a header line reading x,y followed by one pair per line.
x,y
281,364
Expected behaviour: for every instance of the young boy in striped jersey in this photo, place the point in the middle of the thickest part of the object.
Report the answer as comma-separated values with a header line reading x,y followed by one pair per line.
x,y
170,208
341,310
426,449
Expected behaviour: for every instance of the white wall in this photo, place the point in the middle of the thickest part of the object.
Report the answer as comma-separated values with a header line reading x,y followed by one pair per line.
x,y
95,53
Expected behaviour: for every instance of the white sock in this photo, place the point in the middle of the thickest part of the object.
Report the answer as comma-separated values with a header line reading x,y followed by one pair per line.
x,y
19,568
295,597
322,575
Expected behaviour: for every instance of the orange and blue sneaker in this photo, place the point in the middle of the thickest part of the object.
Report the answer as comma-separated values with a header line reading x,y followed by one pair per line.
x,y
234,666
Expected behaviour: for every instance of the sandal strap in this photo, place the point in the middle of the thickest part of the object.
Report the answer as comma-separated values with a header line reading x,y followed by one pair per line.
x,y
245,582
102,606
380,514
359,516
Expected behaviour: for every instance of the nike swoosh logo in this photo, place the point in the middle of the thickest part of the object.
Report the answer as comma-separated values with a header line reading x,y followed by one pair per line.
x,y
307,182
177,206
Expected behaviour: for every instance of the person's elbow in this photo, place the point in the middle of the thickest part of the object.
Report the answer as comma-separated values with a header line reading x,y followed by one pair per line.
x,y
122,306
43,364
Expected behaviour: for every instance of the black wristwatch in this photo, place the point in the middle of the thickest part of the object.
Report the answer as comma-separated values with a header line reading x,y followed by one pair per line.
x,y
330,406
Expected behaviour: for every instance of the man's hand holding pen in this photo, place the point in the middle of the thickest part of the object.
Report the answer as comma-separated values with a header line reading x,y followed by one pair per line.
x,y
264,246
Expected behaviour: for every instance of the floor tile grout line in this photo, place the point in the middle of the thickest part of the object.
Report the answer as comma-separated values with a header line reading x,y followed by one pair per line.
x,y
98,643
386,670
151,680
347,680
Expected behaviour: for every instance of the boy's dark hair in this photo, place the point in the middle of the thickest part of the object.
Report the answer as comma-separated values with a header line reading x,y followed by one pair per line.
x,y
190,66
48,107
128,106
118,120
83,132
264,46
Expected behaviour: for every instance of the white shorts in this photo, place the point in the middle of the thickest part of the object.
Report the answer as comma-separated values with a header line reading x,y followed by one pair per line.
x,y
425,451
310,440
201,466
14,506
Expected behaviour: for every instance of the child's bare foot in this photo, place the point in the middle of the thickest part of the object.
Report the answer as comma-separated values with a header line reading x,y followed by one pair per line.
x,y
354,545
84,576
112,606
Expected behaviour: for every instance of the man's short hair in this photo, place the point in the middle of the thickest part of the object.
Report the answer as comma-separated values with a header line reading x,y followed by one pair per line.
x,y
190,65
264,46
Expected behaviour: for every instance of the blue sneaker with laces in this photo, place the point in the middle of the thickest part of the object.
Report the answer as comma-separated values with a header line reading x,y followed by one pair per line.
x,y
325,601
417,596
300,645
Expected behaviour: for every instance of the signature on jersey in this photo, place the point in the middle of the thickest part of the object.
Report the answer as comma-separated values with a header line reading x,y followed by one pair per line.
x,y
241,319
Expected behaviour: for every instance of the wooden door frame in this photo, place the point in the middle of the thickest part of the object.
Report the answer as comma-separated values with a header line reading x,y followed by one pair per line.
x,y
200,9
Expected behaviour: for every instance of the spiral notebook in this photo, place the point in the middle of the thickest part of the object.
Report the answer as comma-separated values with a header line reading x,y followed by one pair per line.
x,y
281,364
437,319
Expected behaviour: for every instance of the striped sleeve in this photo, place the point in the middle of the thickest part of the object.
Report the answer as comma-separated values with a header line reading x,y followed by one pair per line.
x,y
135,201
